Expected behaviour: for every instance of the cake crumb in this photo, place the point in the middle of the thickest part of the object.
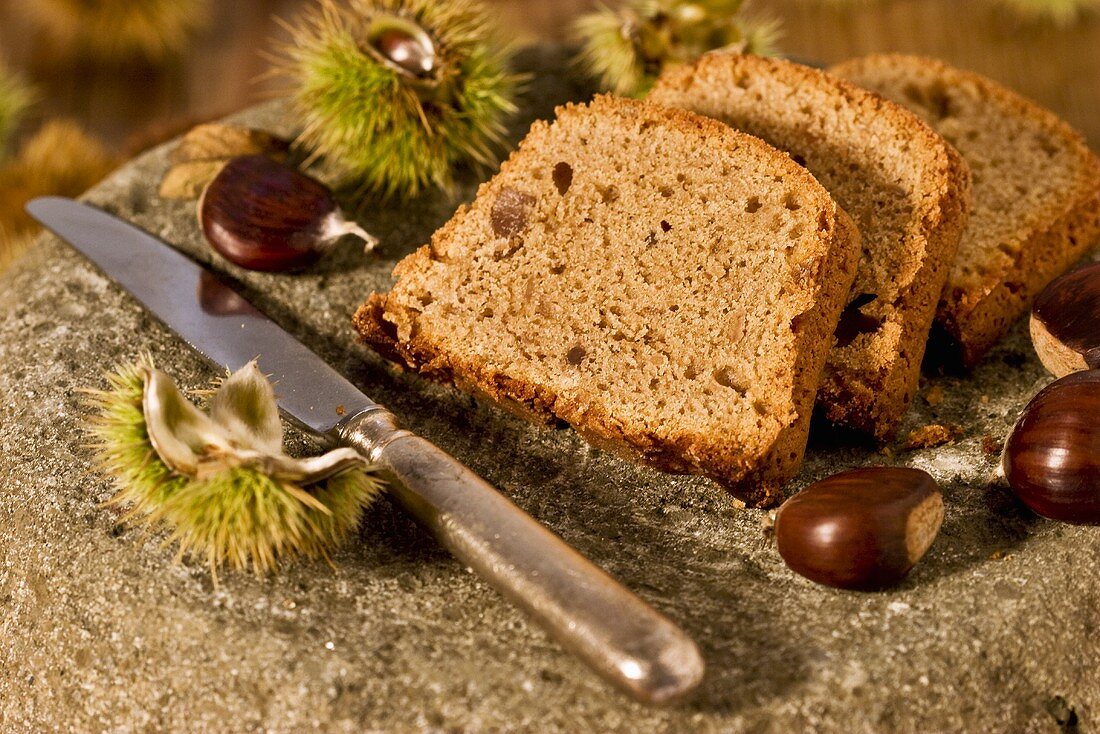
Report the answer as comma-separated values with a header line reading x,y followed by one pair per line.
x,y
934,396
990,445
930,436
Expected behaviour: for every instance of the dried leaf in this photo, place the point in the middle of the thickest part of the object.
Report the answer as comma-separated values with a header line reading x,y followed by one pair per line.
x,y
187,180
217,141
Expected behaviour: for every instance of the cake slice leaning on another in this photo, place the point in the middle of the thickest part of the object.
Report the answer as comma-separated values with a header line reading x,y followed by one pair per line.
x,y
1036,195
666,285
905,187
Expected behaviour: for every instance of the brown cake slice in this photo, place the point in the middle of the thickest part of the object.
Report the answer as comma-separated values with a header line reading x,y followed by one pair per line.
x,y
1036,190
666,285
905,187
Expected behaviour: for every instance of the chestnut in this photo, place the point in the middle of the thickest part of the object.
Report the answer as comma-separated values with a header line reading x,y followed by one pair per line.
x,y
861,529
265,215
1065,322
1052,456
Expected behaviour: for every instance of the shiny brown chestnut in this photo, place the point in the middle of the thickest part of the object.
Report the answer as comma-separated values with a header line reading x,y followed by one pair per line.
x,y
1065,322
862,529
1052,456
402,45
265,215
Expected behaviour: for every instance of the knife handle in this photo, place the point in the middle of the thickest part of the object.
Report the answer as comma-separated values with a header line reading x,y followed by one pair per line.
x,y
624,639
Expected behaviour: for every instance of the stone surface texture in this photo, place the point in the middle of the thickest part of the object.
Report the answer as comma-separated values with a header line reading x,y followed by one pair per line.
x,y
101,629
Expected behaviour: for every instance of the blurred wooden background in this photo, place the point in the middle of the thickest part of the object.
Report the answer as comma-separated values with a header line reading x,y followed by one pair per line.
x,y
129,105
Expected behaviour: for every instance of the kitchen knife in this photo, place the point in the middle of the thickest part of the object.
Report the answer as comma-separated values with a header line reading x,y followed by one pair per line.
x,y
616,633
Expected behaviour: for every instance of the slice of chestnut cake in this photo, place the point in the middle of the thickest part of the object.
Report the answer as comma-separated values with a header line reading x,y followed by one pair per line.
x,y
663,283
906,188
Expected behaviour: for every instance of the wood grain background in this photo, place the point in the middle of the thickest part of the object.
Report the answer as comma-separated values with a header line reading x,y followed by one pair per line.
x,y
135,104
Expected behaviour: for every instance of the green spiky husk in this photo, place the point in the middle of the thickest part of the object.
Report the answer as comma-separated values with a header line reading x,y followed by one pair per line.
x,y
627,47
119,30
15,98
370,124
239,517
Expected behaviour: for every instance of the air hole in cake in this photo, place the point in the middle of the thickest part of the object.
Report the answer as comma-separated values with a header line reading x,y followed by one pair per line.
x,y
557,268
681,178
939,101
753,205
913,93
791,202
563,177
608,194
853,322
666,226
691,373
486,313
666,191
651,239
674,308
576,355
760,407
726,377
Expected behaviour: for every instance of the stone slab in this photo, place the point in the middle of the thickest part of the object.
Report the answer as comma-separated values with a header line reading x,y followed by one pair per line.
x,y
101,630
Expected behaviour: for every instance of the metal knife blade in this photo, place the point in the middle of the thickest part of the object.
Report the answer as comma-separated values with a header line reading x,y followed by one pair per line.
x,y
620,636
216,321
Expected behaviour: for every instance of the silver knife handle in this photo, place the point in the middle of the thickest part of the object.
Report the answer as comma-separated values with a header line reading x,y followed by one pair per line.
x,y
588,612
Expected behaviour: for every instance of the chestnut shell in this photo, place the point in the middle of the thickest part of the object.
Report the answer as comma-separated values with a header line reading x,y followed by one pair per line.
x,y
264,215
1065,322
862,529
1052,457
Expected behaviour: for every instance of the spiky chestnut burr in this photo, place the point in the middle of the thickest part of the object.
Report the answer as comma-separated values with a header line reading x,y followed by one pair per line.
x,y
627,47
394,94
118,30
220,483
15,97
59,159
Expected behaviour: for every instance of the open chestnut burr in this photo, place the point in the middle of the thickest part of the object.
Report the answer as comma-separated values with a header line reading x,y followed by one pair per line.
x,y
862,529
1052,457
1065,322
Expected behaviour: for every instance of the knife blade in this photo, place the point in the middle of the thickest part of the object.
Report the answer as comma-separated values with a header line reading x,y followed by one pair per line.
x,y
617,634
